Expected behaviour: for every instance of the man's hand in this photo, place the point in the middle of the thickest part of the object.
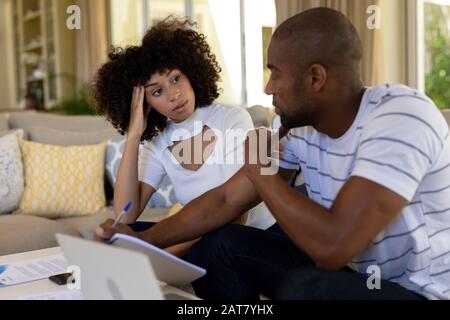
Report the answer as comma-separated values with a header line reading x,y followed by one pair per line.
x,y
105,231
262,147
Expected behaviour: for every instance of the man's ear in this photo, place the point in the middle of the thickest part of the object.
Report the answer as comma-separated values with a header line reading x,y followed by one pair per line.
x,y
318,76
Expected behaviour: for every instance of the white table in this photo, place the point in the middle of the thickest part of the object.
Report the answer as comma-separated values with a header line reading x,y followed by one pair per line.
x,y
45,285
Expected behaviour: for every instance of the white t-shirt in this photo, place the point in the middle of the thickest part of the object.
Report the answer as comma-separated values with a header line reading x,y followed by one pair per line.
x,y
230,126
399,140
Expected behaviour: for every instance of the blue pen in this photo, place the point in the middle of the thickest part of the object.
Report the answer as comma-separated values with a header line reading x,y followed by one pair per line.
x,y
124,211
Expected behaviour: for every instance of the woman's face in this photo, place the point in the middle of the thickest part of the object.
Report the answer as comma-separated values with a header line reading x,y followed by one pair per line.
x,y
171,94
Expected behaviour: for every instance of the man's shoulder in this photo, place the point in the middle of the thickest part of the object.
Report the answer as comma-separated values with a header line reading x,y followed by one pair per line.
x,y
380,96
379,93
395,100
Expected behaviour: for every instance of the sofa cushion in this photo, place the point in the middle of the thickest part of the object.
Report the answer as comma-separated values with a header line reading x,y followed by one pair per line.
x,y
71,138
261,116
62,181
62,122
4,122
86,225
21,132
11,173
113,155
26,233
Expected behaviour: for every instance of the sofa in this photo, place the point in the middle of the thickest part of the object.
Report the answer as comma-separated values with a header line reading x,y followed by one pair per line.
x,y
21,233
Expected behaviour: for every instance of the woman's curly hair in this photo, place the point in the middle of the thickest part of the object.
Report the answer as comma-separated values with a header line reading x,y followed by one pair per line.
x,y
170,44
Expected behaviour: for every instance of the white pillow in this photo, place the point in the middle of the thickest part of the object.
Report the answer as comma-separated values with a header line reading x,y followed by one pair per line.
x,y
11,172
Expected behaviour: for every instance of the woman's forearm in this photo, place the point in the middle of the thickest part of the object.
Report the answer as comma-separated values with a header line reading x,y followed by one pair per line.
x,y
127,183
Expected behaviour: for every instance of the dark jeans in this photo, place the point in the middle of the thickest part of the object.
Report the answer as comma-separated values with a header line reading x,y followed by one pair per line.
x,y
141,226
242,262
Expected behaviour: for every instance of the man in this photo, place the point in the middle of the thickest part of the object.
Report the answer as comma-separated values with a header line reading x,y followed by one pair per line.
x,y
376,163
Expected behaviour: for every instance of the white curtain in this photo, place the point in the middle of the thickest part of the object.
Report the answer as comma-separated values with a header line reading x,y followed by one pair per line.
x,y
91,40
356,12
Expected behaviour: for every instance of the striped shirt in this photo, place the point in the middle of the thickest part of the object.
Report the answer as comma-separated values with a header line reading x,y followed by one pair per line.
x,y
400,140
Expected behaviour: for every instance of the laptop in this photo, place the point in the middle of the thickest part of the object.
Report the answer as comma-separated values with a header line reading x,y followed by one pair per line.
x,y
112,273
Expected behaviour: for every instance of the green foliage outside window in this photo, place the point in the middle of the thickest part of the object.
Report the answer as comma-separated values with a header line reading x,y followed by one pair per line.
x,y
82,104
437,55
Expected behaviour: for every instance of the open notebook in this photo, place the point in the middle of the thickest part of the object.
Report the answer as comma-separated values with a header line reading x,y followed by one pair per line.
x,y
167,267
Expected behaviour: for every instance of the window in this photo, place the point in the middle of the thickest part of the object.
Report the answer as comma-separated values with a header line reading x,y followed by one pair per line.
x,y
433,48
220,22
237,36
437,51
159,9
126,22
258,32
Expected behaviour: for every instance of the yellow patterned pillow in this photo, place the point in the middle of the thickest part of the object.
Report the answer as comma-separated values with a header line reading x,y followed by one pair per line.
x,y
175,208
62,181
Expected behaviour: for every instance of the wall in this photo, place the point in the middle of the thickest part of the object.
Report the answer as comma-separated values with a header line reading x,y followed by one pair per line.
x,y
394,40
7,77
393,29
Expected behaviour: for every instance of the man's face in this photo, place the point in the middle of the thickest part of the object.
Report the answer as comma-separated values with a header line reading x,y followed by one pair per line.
x,y
287,85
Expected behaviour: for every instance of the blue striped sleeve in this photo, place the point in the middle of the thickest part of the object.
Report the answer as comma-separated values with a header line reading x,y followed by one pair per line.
x,y
289,158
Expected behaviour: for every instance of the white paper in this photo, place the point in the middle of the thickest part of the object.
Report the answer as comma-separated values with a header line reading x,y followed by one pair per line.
x,y
59,295
32,270
167,267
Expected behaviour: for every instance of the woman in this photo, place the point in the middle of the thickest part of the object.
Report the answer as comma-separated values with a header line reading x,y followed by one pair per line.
x,y
170,82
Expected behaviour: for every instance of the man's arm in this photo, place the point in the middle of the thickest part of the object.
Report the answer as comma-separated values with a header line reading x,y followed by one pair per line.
x,y
331,237
206,213
209,212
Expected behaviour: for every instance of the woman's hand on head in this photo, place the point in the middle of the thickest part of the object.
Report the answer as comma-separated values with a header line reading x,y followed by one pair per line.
x,y
138,116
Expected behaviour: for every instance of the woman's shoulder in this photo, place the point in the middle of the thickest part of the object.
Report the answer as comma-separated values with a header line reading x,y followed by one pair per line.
x,y
155,144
